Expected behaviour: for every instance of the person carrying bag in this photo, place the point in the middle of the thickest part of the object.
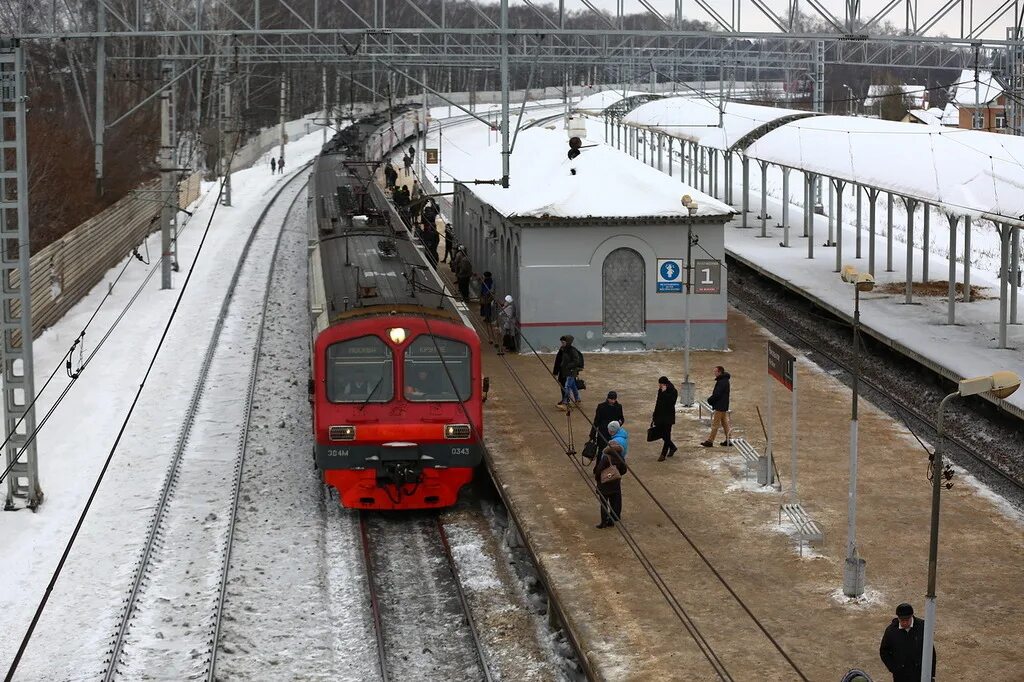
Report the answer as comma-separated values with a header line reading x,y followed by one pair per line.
x,y
608,472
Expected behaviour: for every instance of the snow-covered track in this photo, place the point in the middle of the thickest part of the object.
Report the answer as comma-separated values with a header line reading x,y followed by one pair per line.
x,y
170,619
424,626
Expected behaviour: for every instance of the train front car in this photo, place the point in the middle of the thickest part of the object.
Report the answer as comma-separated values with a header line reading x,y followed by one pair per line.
x,y
396,390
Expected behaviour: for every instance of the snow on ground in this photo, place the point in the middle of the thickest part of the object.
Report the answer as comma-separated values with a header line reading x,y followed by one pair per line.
x,y
73,447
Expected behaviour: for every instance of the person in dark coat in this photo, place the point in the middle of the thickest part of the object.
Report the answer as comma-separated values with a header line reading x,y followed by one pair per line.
x,y
719,402
902,645
390,175
429,212
611,492
568,365
463,273
280,164
608,411
486,297
430,239
273,165
449,242
407,162
665,416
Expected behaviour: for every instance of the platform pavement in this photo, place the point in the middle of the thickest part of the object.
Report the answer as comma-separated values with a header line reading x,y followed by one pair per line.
x,y
628,630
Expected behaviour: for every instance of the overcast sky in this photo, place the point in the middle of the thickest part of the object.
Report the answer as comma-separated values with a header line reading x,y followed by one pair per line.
x,y
752,19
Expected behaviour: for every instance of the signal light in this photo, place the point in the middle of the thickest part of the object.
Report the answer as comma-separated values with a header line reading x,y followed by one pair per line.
x,y
574,147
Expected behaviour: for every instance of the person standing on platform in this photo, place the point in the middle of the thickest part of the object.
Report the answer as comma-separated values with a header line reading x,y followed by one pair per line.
x,y
390,175
412,152
665,416
430,239
449,243
719,402
902,645
507,325
609,484
486,297
407,162
428,213
463,273
280,164
568,363
273,165
607,412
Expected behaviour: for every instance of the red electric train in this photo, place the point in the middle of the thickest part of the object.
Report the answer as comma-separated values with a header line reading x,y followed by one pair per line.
x,y
396,385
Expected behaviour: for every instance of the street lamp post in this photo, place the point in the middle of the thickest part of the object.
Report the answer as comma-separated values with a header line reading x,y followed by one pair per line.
x,y
854,568
1000,384
686,395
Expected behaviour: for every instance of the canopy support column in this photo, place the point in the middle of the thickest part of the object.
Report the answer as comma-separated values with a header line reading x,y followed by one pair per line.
x,y
809,214
714,175
808,203
764,198
888,234
860,217
1004,280
838,185
746,190
925,245
701,167
911,205
670,141
951,302
873,198
831,215
1014,272
661,145
728,178
785,207
967,259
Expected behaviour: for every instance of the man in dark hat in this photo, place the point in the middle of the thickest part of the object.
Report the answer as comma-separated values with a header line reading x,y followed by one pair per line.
x,y
902,645
608,411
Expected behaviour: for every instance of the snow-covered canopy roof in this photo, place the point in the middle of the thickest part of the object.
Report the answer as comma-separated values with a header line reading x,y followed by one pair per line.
x,y
599,101
927,117
608,183
696,119
915,93
967,172
987,86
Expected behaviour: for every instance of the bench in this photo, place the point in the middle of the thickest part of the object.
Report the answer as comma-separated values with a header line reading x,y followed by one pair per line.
x,y
747,451
807,530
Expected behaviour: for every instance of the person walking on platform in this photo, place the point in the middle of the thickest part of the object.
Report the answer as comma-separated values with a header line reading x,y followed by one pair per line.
x,y
719,402
902,645
449,243
273,165
390,175
608,472
507,324
429,212
407,162
568,364
607,412
665,416
486,297
430,239
280,164
463,273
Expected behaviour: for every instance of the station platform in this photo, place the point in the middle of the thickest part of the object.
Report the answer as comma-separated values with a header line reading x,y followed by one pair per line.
x,y
626,626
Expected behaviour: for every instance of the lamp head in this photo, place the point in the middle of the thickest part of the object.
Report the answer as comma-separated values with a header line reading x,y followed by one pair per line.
x,y
848,274
1002,384
864,282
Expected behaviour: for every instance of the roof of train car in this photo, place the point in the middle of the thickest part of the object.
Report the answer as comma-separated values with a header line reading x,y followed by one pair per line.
x,y
351,256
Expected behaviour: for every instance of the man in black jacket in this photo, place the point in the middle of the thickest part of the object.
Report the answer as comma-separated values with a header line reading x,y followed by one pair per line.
x,y
568,364
608,411
719,402
902,645
665,416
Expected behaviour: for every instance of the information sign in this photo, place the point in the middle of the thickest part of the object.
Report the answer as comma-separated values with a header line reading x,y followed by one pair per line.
x,y
780,364
670,275
707,276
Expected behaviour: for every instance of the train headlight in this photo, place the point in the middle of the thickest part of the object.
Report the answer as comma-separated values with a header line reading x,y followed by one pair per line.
x,y
397,335
342,433
457,431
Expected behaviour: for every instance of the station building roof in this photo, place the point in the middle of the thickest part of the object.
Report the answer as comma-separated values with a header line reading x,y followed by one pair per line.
x,y
608,184
599,101
697,119
967,172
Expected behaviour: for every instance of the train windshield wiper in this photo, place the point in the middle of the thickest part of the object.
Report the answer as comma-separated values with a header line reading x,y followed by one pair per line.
x,y
374,390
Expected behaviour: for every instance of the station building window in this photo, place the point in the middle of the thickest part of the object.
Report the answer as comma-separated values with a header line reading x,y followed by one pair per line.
x,y
437,377
1000,121
360,370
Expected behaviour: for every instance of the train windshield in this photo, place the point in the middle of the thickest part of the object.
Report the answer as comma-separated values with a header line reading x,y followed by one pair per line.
x,y
431,376
360,370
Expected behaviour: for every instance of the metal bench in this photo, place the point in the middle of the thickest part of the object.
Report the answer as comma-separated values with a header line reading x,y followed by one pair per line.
x,y
748,453
807,530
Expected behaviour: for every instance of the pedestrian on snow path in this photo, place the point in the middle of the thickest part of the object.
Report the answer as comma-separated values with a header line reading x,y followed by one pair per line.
x,y
273,165
280,164
902,645
608,472
607,412
568,365
719,402
665,416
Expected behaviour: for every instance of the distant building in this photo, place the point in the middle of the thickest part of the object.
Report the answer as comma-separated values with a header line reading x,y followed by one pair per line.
x,y
981,103
915,95
931,117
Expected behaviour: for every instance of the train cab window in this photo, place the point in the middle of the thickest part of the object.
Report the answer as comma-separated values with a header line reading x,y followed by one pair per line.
x,y
428,379
360,370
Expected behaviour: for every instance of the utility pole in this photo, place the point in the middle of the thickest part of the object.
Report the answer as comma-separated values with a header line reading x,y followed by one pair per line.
x,y
323,84
227,143
282,106
168,196
504,95
101,77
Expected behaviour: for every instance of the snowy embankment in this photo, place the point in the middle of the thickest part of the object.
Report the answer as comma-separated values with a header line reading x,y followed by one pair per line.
x,y
73,446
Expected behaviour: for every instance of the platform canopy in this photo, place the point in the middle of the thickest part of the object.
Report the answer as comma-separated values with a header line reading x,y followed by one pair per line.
x,y
966,172
697,119
599,101
608,183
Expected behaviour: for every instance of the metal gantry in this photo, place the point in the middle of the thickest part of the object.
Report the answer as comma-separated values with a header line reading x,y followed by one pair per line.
x,y
16,323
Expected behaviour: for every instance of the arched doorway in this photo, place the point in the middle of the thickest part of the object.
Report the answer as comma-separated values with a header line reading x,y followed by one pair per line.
x,y
622,292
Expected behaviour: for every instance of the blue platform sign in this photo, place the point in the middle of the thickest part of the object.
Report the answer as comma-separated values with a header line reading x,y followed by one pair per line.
x,y
670,276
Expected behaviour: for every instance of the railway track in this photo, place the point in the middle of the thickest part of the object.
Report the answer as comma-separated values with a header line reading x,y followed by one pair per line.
x,y
423,624
170,620
885,380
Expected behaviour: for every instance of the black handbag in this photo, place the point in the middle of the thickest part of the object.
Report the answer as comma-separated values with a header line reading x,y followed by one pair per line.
x,y
581,384
590,451
653,434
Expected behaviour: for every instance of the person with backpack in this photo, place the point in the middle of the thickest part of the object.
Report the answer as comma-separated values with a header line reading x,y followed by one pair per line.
x,y
664,417
568,364
609,469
